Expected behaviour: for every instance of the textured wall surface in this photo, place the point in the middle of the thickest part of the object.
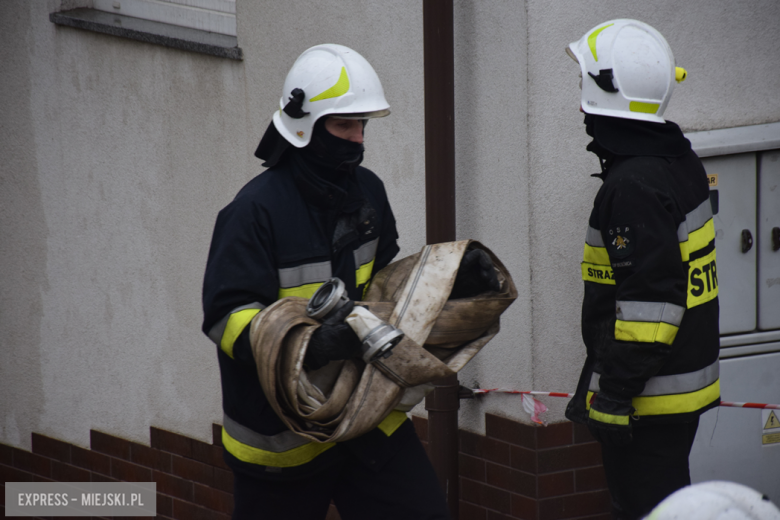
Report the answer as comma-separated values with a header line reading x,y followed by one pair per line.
x,y
492,184
117,155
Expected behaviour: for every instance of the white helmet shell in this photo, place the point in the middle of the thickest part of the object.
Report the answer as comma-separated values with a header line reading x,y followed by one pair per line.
x,y
335,80
631,57
715,500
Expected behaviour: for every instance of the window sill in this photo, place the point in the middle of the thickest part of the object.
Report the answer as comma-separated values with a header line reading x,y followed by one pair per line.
x,y
158,33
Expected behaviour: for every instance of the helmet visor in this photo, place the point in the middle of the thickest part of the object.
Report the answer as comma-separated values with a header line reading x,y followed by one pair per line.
x,y
571,54
362,115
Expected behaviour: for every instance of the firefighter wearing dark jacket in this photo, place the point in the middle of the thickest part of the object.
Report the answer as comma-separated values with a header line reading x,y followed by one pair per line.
x,y
314,214
650,307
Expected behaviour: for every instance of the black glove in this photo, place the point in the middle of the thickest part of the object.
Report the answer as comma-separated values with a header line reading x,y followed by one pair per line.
x,y
333,340
476,275
609,420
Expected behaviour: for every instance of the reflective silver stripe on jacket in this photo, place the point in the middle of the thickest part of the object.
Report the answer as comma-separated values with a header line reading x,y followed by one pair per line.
x,y
674,384
649,311
304,274
283,441
365,253
694,220
218,330
594,238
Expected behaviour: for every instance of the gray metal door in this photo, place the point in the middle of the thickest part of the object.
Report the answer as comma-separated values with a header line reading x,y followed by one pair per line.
x,y
735,225
768,243
730,444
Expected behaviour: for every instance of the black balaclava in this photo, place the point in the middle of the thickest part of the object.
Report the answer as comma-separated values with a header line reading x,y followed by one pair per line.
x,y
322,169
332,153
323,172
614,136
606,158
327,157
326,152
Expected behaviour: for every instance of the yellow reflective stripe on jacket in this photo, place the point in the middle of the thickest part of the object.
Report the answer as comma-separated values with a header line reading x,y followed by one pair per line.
x,y
391,423
678,403
671,404
299,454
608,418
697,230
698,239
363,274
364,261
235,325
702,280
303,280
670,384
286,459
595,255
596,266
598,274
304,291
645,331
647,322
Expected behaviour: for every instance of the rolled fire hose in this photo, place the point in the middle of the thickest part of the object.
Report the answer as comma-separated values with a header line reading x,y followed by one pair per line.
x,y
345,399
377,337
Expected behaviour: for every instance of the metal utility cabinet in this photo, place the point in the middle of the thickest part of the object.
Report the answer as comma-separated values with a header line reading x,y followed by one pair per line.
x,y
739,444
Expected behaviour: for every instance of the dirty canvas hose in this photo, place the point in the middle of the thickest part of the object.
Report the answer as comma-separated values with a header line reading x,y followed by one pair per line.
x,y
346,399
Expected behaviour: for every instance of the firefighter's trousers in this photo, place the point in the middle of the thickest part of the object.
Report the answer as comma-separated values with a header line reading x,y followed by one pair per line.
x,y
404,488
652,467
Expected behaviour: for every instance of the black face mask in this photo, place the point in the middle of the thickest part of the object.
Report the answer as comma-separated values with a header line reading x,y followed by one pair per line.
x,y
330,152
619,136
590,120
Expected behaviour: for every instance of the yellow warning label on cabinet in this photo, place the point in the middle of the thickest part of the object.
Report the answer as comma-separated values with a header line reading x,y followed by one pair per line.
x,y
772,421
712,179
770,438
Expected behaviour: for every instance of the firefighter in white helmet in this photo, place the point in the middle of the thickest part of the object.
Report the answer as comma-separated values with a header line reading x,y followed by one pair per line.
x,y
716,500
650,308
315,213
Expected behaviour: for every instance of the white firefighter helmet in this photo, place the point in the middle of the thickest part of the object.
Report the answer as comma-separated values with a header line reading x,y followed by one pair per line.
x,y
326,80
715,500
628,70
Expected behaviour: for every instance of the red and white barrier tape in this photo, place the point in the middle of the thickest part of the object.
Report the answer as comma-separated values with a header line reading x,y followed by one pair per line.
x,y
527,392
761,406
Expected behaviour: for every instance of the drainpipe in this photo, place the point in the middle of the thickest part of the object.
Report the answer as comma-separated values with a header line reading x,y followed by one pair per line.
x,y
442,404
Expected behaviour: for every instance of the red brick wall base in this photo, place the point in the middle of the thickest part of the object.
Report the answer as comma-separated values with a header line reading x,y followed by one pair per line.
x,y
193,483
514,471
529,472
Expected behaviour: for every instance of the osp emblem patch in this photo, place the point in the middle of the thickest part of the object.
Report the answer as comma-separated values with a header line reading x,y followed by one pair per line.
x,y
621,241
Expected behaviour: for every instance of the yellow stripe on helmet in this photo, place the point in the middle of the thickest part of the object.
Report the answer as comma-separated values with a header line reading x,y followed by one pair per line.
x,y
339,89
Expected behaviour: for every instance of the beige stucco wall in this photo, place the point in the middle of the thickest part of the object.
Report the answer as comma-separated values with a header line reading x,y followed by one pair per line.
x,y
492,186
115,157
